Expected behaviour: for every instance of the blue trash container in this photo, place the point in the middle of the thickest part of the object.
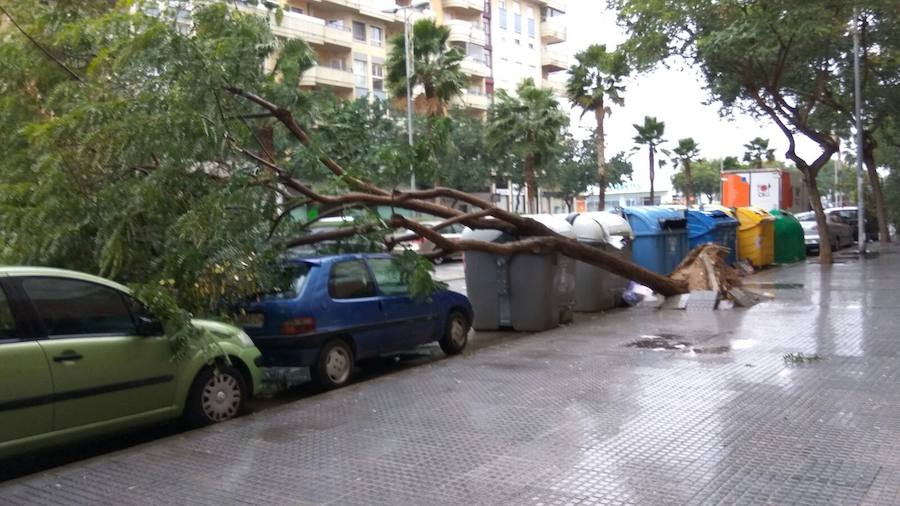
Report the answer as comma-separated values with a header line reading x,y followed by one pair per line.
x,y
713,226
660,237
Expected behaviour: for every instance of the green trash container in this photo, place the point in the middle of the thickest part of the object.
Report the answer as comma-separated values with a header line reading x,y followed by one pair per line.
x,y
789,242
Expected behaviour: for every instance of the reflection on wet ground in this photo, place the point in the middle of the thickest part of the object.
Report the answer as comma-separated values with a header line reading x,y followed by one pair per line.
x,y
576,415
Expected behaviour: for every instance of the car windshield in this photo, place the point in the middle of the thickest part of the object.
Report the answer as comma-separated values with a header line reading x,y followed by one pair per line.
x,y
807,216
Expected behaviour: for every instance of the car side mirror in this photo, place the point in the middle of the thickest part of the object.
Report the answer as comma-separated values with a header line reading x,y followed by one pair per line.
x,y
149,326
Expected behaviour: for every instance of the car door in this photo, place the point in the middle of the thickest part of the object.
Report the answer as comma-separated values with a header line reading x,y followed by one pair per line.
x,y
26,390
355,307
409,321
102,370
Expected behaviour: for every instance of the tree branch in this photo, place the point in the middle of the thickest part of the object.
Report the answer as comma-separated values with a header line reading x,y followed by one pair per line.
x,y
41,47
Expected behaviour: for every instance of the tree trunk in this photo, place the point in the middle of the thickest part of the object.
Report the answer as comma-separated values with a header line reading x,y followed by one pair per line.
x,y
688,184
600,139
530,184
652,175
815,200
869,158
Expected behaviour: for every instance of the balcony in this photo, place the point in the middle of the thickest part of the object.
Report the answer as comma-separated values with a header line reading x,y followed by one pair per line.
x,y
327,76
553,61
473,6
478,101
553,31
475,67
366,8
559,5
465,31
558,87
312,30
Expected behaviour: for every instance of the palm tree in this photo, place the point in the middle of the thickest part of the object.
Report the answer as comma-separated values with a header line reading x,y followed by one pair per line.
x,y
595,78
757,150
686,152
650,134
528,125
436,66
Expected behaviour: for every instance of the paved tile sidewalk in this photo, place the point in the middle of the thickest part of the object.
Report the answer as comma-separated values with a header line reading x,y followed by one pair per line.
x,y
573,416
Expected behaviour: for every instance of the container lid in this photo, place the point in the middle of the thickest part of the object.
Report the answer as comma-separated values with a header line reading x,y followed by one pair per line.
x,y
653,219
613,223
555,223
487,235
751,216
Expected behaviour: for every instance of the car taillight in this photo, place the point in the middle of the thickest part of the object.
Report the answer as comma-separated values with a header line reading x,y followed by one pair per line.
x,y
295,326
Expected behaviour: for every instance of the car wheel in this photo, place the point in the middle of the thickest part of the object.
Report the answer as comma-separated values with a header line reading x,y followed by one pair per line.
x,y
456,335
334,366
217,394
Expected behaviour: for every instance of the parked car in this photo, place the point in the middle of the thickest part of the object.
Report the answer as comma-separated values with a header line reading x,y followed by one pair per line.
x,y
82,358
425,247
344,308
841,233
850,216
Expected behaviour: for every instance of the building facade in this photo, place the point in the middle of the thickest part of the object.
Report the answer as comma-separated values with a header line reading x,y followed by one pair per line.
x,y
504,42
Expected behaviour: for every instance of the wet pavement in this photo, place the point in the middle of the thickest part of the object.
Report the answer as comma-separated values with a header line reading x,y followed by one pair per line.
x,y
576,415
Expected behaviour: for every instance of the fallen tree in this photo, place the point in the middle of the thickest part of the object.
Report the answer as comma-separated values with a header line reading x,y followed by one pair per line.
x,y
531,236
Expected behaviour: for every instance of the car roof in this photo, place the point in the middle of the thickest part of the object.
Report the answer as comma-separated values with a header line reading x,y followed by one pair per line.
x,y
321,259
20,271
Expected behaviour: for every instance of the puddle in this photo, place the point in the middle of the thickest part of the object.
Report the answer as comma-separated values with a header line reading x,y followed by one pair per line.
x,y
774,286
663,342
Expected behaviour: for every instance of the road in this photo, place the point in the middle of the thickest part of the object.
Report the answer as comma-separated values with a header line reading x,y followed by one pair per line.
x,y
794,401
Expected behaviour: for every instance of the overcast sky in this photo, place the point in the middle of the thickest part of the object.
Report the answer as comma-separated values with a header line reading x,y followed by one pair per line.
x,y
675,96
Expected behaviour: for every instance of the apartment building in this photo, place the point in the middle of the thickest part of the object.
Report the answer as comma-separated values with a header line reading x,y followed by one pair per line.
x,y
504,41
349,36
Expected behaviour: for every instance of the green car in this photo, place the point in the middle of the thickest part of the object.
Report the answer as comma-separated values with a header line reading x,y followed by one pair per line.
x,y
80,357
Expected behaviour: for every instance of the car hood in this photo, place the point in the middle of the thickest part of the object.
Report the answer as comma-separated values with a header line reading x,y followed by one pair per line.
x,y
219,329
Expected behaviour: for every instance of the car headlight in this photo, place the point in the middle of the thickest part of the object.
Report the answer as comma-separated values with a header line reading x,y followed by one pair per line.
x,y
244,339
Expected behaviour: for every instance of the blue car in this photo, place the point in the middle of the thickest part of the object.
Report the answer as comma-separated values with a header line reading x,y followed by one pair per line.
x,y
345,308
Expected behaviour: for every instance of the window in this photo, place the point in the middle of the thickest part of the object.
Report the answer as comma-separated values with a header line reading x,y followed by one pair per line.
x,y
378,79
388,276
350,280
292,9
517,17
7,322
359,31
361,76
503,14
531,24
376,33
70,307
338,64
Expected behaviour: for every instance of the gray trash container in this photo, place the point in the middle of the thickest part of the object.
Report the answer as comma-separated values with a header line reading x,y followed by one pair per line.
x,y
527,292
543,286
487,282
597,289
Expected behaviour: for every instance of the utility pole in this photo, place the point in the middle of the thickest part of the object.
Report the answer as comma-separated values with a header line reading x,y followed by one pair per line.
x,y
409,111
838,166
860,189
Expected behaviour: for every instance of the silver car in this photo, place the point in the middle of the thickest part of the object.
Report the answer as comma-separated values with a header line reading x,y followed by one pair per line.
x,y
841,233
426,247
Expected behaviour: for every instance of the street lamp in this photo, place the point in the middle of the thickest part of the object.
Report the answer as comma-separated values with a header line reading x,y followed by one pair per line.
x,y
409,72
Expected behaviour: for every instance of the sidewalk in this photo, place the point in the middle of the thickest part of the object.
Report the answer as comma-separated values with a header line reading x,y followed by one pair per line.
x,y
573,416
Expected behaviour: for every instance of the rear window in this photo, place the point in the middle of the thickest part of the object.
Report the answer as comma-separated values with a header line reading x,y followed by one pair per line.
x,y
295,277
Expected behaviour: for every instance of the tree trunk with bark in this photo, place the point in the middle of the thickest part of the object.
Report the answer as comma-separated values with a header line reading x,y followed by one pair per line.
x,y
688,184
652,174
600,139
884,234
815,200
530,184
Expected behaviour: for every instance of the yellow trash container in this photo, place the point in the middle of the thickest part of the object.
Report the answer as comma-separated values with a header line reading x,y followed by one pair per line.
x,y
756,236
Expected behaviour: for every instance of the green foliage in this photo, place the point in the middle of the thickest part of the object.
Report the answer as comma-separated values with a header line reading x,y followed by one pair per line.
x,y
465,162
758,151
650,134
436,65
597,76
706,178
522,127
127,172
